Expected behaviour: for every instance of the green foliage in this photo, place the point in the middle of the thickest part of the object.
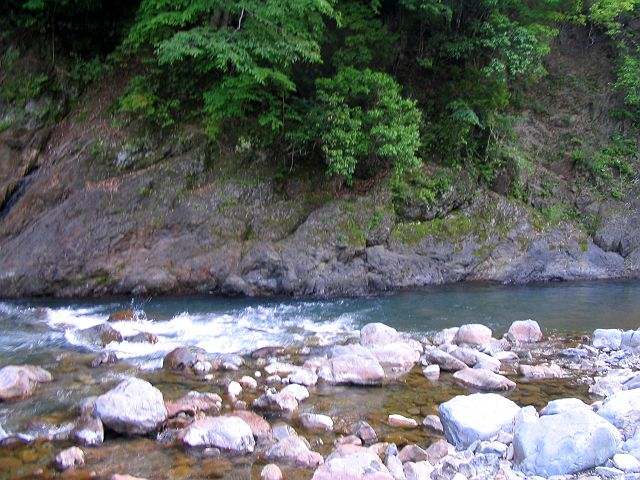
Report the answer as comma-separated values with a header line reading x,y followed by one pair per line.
x,y
363,121
17,85
141,100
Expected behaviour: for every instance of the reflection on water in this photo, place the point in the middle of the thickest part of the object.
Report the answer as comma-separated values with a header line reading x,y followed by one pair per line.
x,y
45,332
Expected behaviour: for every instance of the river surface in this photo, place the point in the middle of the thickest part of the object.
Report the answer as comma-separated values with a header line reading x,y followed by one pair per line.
x,y
46,333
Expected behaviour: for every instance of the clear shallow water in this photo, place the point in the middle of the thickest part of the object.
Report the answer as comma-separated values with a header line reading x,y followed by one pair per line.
x,y
46,332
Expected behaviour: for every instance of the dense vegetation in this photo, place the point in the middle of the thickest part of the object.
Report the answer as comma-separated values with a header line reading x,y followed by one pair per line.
x,y
363,86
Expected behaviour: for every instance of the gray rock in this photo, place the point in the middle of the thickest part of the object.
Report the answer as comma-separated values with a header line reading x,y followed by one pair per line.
x,y
418,470
314,421
431,372
352,365
433,422
564,443
445,336
101,335
104,358
539,372
230,434
365,432
444,360
373,334
610,338
134,407
625,462
394,465
396,358
473,334
271,472
525,331
88,431
468,418
294,450
563,405
303,376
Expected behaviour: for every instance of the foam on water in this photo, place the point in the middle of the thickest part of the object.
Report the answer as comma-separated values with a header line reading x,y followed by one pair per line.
x,y
238,331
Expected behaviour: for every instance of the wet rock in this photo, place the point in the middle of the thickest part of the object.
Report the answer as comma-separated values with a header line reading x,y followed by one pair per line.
x,y
622,409
431,372
193,403
481,379
418,470
473,334
294,450
271,472
143,337
492,448
259,426
525,331
625,462
438,450
102,335
230,434
467,418
378,334
444,360
303,376
563,405
350,462
564,443
125,477
134,407
314,421
396,420
234,389
267,352
365,432
69,458
299,392
607,338
508,357
433,422
126,315
352,365
539,372
186,360
394,465
88,431
104,358
282,430
20,381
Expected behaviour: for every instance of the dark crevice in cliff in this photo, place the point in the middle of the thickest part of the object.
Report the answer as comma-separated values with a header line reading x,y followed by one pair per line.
x,y
16,193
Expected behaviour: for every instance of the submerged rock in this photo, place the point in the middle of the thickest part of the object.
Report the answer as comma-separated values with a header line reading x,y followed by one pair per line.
x,y
481,379
231,434
20,381
104,358
565,443
480,416
187,360
364,432
126,315
102,335
354,365
315,421
134,407
88,431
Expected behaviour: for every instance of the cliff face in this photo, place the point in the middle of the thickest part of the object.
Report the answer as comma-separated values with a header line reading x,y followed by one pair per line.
x,y
86,210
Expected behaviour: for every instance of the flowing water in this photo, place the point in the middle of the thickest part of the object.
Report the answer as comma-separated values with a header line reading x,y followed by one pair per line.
x,y
47,333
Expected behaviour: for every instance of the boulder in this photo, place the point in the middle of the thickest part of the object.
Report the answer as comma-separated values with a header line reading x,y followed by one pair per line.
x,y
565,443
378,334
259,426
352,365
134,407
187,360
473,334
394,465
69,458
234,389
267,352
126,315
412,453
299,392
277,401
438,450
525,331
467,418
563,405
625,462
444,337
444,360
230,434
418,470
540,372
364,432
250,382
193,403
102,335
622,409
303,376
271,472
482,379
433,422
315,421
294,450
88,431
20,381
396,358
143,337
610,338
104,358
431,372
351,462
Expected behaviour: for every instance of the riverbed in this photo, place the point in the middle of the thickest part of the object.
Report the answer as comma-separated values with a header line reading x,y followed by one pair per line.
x,y
46,333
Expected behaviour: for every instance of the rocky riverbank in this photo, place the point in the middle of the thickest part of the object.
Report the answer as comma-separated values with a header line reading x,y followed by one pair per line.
x,y
457,404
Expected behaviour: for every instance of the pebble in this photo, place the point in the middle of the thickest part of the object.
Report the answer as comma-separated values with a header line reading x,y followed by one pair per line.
x,y
271,472
431,372
69,458
396,420
249,382
433,422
